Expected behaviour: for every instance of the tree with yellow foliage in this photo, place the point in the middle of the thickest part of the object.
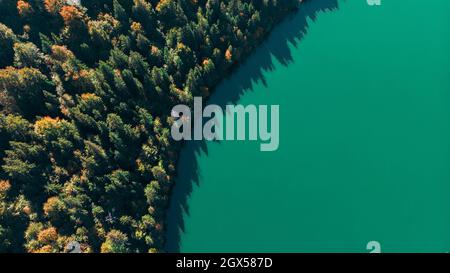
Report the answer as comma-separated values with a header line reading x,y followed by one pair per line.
x,y
116,242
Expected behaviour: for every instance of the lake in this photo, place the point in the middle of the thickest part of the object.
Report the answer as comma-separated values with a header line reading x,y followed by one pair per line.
x,y
364,155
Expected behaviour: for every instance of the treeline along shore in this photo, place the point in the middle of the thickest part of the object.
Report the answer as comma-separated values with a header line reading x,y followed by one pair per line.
x,y
86,89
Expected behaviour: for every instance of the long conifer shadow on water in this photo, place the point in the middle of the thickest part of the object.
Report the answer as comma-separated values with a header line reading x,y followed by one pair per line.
x,y
290,31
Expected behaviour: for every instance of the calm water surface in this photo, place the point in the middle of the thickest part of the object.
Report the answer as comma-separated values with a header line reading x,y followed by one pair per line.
x,y
364,95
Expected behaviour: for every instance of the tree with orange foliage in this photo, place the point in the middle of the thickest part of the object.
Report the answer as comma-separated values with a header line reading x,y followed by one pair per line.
x,y
229,54
24,8
71,15
4,188
54,209
44,240
53,6
48,236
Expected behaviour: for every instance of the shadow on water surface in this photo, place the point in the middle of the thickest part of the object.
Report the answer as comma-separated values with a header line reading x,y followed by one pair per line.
x,y
289,32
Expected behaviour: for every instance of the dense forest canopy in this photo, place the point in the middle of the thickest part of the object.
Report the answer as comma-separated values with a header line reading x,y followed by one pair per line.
x,y
85,92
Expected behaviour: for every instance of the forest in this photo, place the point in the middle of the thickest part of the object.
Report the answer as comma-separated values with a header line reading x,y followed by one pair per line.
x,y
86,89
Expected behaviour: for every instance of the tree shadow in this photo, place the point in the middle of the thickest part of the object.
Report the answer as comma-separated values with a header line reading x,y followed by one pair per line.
x,y
288,33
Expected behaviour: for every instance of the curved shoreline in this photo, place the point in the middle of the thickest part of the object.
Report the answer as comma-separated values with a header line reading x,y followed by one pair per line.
x,y
289,31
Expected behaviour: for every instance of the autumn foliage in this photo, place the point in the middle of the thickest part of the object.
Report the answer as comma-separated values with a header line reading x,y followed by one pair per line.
x,y
48,236
71,15
53,6
24,8
85,96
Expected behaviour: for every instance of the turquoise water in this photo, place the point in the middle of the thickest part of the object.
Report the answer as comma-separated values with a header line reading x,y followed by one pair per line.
x,y
364,95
